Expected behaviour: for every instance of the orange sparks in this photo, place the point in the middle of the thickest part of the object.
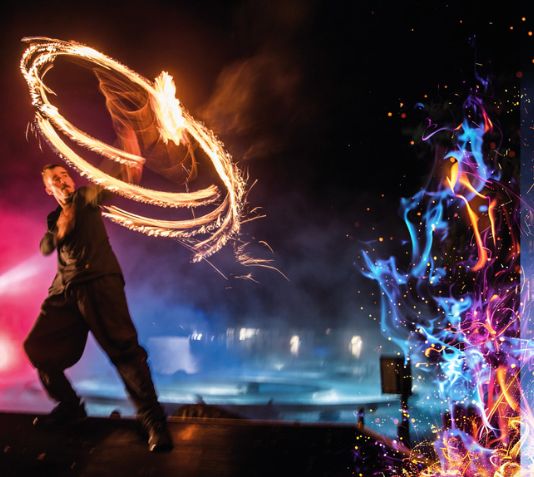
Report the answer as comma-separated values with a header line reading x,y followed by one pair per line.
x,y
174,125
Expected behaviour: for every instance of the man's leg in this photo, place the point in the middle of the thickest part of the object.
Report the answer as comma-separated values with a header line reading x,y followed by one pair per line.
x,y
103,305
56,342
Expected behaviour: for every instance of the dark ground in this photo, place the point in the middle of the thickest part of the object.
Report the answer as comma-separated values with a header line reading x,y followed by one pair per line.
x,y
203,447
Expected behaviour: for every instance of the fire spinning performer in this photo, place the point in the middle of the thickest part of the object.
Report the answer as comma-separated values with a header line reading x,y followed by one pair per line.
x,y
87,294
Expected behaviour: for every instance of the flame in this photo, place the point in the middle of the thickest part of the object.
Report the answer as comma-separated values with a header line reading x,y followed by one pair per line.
x,y
482,254
169,111
205,234
472,345
454,176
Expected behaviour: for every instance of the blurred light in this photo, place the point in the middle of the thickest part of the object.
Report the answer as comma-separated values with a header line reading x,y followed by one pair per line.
x,y
196,336
7,353
17,274
355,346
279,366
170,354
326,397
294,345
247,333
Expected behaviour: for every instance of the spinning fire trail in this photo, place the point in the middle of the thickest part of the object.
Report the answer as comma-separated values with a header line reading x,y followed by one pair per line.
x,y
465,275
155,122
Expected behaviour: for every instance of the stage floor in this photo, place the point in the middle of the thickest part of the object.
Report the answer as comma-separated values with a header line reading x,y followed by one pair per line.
x,y
103,447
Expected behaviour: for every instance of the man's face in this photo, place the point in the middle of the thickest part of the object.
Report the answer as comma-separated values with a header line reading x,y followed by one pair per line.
x,y
59,184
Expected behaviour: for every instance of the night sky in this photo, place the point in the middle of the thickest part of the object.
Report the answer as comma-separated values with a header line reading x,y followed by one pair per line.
x,y
315,100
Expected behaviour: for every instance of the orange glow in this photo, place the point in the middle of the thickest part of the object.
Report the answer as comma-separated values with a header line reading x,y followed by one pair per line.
x,y
491,214
505,387
488,125
168,111
482,254
465,182
454,176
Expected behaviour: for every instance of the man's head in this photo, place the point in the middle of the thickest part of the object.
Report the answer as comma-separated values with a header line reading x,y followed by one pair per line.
x,y
58,182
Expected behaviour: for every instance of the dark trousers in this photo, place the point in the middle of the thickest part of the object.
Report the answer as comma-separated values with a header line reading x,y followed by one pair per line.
x,y
57,340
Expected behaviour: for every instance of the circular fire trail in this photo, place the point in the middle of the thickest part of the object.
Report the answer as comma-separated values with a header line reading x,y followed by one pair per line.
x,y
173,126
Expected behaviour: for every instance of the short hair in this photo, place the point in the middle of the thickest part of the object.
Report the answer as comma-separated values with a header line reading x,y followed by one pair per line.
x,y
48,167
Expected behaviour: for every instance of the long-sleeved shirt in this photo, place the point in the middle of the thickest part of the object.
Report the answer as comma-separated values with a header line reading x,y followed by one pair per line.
x,y
84,253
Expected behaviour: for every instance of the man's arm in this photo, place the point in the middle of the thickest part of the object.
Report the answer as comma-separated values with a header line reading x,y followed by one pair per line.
x,y
96,195
49,241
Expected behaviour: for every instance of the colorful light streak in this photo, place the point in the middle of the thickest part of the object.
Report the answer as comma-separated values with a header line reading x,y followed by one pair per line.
x,y
205,234
464,273
15,277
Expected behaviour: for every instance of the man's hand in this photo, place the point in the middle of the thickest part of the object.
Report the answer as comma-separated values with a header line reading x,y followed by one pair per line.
x,y
65,221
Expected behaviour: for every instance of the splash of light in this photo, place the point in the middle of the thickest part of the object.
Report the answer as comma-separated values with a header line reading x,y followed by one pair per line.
x,y
7,353
11,280
355,346
205,234
294,345
464,277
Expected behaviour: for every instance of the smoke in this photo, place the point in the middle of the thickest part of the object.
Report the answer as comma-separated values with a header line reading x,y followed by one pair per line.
x,y
317,253
245,90
257,100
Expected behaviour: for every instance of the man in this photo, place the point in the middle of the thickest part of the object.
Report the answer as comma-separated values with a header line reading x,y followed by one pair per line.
x,y
87,294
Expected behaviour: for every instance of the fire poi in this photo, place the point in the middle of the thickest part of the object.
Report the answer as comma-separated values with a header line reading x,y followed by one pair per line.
x,y
204,234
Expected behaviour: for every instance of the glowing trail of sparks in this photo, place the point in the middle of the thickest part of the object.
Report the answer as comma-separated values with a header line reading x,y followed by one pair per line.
x,y
174,125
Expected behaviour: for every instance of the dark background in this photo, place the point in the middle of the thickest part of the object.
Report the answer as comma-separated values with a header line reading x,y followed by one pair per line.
x,y
300,93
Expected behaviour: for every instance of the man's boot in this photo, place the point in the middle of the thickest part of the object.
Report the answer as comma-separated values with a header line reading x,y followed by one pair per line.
x,y
64,414
159,437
